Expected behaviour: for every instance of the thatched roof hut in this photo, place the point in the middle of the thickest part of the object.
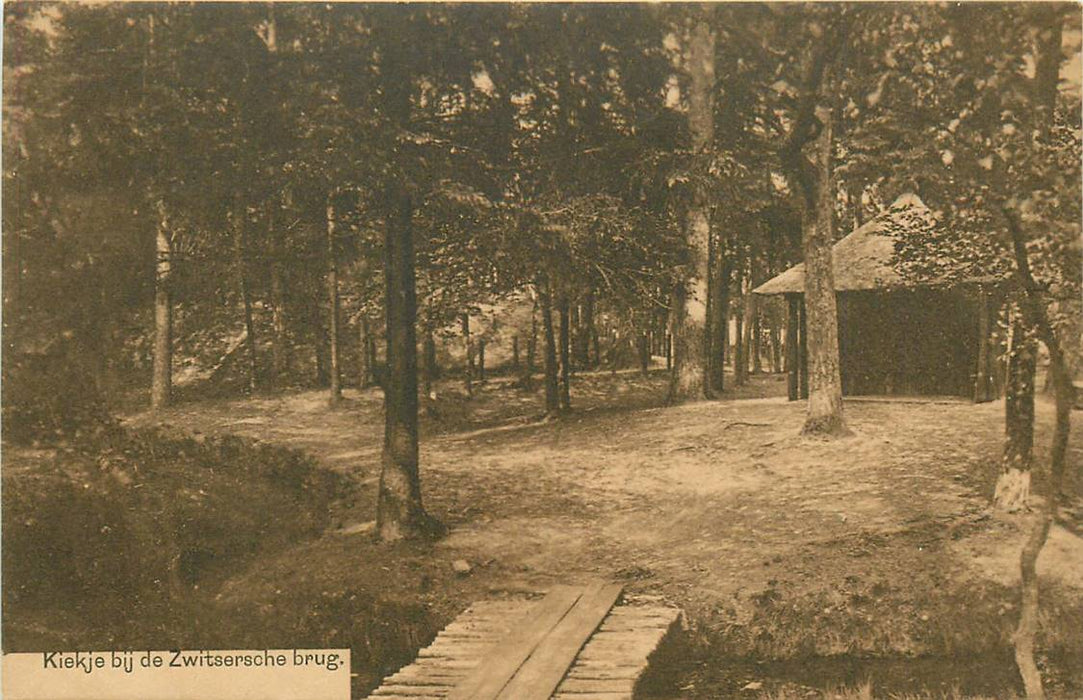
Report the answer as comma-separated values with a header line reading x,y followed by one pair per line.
x,y
863,259
897,335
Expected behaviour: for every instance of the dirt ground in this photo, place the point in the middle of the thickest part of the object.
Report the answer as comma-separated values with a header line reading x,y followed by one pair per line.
x,y
777,546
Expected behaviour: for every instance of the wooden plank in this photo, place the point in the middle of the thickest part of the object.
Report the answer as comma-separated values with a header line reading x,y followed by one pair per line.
x,y
443,684
448,677
426,663
415,671
642,612
490,677
617,652
540,674
445,681
598,685
410,692
605,660
590,672
614,630
456,650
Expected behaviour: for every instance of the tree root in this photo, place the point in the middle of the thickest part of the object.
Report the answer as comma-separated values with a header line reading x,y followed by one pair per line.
x,y
1012,490
825,426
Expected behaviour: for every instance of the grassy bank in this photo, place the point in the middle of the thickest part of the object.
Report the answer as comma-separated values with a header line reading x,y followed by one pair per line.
x,y
111,541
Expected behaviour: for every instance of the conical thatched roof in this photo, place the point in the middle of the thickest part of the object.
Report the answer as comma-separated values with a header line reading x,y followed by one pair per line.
x,y
862,260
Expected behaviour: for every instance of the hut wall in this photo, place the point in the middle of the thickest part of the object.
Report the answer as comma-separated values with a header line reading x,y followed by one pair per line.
x,y
908,342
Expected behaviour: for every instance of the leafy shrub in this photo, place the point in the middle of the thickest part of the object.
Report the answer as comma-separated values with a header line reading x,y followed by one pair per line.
x,y
49,399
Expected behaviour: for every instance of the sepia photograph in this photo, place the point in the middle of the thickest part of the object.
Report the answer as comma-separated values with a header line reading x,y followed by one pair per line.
x,y
542,350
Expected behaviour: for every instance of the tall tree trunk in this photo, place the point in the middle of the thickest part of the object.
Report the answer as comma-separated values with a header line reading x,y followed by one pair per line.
x,y
712,302
585,331
724,337
162,377
432,367
320,333
241,249
250,334
365,359
552,393
279,351
746,330
825,382
468,351
644,353
97,334
596,359
576,337
757,334
983,375
752,320
526,372
690,378
481,359
793,347
776,337
515,352
333,309
1013,484
592,331
532,341
719,328
802,348
813,125
853,197
399,511
565,354
374,362
613,355
740,360
428,370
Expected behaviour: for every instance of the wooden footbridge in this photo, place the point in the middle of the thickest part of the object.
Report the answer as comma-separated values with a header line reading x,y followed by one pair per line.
x,y
577,643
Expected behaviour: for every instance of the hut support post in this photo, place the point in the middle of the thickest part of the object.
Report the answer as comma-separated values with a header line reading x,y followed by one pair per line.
x,y
803,350
983,377
793,310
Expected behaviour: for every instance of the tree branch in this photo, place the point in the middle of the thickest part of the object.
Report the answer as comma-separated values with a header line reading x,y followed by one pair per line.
x,y
807,126
1033,305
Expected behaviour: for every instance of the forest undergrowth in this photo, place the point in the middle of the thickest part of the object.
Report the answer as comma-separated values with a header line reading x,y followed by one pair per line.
x,y
802,564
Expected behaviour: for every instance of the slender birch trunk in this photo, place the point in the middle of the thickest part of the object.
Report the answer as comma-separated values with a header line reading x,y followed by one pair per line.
x,y
468,351
240,232
335,396
565,354
552,394
162,376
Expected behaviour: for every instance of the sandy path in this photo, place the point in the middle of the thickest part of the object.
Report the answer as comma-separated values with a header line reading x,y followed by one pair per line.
x,y
714,504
